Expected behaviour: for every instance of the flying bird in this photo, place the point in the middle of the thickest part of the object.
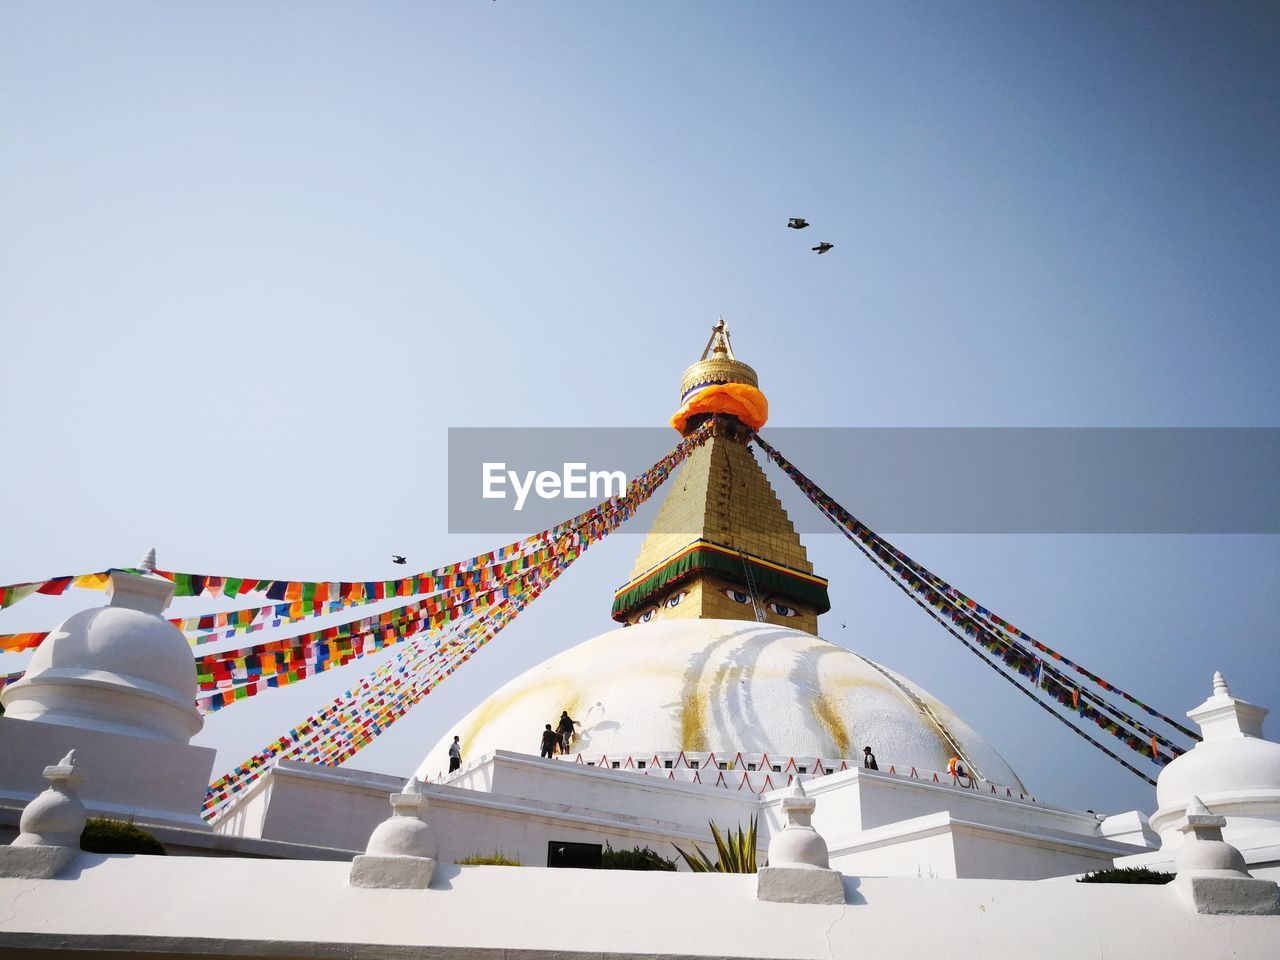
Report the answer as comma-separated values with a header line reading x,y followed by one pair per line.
x,y
822,248
797,223
396,558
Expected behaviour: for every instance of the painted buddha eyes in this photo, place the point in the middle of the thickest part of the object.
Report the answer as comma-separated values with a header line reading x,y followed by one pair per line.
x,y
647,615
675,598
781,609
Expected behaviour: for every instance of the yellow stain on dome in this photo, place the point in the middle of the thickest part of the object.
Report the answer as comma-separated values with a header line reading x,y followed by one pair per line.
x,y
829,716
693,721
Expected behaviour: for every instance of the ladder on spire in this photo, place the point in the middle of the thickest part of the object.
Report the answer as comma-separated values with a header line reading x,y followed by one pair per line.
x,y
751,586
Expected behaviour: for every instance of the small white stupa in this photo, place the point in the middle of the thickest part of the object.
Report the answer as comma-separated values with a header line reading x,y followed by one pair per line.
x,y
121,668
402,850
1212,874
50,826
1233,770
799,868
117,682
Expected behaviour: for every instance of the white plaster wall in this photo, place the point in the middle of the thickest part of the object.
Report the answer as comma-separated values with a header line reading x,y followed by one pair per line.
x,y
857,802
985,854
887,799
113,900
1131,827
315,805
155,780
928,855
246,817
518,804
537,802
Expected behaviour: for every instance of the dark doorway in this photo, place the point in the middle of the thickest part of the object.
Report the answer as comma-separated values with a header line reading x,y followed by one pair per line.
x,y
561,853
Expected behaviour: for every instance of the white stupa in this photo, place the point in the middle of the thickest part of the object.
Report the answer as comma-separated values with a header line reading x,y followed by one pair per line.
x,y
719,652
118,684
121,668
1234,770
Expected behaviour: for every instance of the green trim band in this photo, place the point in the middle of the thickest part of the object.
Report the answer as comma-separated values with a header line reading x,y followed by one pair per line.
x,y
709,558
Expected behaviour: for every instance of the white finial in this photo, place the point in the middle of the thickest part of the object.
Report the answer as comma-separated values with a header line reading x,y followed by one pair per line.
x,y
718,345
69,760
798,805
1196,808
1226,716
410,801
148,564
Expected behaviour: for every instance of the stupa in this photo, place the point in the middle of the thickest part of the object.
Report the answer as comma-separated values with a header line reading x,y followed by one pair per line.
x,y
719,652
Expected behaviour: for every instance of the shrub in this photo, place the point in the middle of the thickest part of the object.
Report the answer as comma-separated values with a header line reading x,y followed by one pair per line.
x,y
737,852
115,836
1126,875
495,859
637,858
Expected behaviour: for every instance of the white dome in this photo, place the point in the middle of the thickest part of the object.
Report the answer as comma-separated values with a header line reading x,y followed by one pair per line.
x,y
122,668
722,686
1244,767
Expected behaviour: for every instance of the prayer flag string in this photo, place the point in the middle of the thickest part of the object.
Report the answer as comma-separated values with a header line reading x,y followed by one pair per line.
x,y
238,674
989,631
354,719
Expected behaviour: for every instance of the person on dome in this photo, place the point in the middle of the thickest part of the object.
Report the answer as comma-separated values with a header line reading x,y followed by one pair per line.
x,y
869,759
550,740
956,768
455,754
565,729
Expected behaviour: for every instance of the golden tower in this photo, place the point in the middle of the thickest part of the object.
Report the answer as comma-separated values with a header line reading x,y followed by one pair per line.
x,y
722,546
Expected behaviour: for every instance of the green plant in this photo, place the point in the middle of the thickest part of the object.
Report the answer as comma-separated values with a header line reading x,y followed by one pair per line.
x,y
495,859
637,858
101,835
1126,875
737,852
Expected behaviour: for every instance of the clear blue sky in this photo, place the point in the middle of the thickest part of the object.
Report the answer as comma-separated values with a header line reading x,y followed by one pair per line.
x,y
255,260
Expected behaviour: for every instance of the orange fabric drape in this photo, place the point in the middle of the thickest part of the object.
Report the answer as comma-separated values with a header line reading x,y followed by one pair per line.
x,y
741,400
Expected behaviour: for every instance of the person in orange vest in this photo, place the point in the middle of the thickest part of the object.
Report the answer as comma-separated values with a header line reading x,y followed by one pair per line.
x,y
955,767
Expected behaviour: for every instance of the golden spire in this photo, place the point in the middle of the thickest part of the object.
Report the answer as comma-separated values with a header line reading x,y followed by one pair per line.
x,y
721,545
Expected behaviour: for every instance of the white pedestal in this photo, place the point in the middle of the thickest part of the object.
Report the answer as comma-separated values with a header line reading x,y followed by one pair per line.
x,y
124,776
